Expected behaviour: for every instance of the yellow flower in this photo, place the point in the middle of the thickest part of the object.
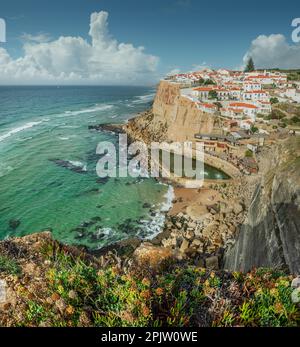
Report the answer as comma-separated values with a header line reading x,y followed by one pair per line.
x,y
284,283
278,307
274,292
259,291
60,289
206,283
70,310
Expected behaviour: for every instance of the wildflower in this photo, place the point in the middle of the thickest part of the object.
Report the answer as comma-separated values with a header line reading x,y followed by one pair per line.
x,y
197,281
207,283
259,291
145,311
71,278
274,292
146,282
159,291
55,297
60,289
278,307
70,310
114,270
146,294
100,273
283,283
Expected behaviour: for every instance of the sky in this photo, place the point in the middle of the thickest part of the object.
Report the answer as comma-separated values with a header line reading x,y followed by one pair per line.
x,y
139,41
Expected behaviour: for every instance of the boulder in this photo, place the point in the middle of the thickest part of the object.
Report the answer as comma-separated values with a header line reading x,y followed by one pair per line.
x,y
197,212
2,291
295,283
189,235
296,296
212,263
184,245
238,208
153,256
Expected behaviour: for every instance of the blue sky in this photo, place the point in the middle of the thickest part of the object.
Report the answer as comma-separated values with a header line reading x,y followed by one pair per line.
x,y
182,34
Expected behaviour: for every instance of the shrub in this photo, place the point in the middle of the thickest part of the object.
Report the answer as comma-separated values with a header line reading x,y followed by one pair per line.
x,y
248,154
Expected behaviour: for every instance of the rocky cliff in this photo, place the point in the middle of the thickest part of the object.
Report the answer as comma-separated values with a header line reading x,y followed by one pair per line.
x,y
173,118
270,237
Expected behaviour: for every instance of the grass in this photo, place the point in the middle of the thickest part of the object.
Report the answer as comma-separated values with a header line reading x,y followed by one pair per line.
x,y
9,266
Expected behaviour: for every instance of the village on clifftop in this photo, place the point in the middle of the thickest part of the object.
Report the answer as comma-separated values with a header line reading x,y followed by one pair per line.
x,y
253,108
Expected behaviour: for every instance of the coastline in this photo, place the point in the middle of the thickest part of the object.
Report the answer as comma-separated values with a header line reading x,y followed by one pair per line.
x,y
188,210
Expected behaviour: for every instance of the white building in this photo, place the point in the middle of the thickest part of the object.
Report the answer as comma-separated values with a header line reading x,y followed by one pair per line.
x,y
250,86
207,107
256,95
249,110
202,92
264,107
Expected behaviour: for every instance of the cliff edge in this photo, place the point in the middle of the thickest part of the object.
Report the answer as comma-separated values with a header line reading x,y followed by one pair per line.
x,y
270,237
172,118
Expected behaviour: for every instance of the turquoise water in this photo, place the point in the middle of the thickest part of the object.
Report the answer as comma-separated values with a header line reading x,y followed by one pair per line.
x,y
42,124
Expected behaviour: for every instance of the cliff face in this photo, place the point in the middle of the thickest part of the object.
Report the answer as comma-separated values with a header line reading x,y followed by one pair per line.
x,y
270,236
173,118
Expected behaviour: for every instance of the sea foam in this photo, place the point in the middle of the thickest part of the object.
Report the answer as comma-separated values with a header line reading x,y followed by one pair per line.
x,y
19,129
95,108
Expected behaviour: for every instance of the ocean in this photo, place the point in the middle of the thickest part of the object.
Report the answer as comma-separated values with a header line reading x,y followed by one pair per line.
x,y
42,127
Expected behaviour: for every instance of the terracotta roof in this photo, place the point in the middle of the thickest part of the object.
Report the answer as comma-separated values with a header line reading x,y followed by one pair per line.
x,y
208,105
204,89
242,104
256,92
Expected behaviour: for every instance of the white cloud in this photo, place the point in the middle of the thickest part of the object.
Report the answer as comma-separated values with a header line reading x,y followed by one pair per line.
x,y
75,60
39,38
273,51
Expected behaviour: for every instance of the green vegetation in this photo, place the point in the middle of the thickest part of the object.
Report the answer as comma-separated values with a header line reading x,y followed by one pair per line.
x,y
212,94
294,75
9,265
254,129
218,104
80,292
295,119
250,65
248,154
274,100
277,114
209,82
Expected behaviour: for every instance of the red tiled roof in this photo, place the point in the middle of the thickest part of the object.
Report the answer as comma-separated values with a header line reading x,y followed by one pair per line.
x,y
208,105
242,104
256,92
204,89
